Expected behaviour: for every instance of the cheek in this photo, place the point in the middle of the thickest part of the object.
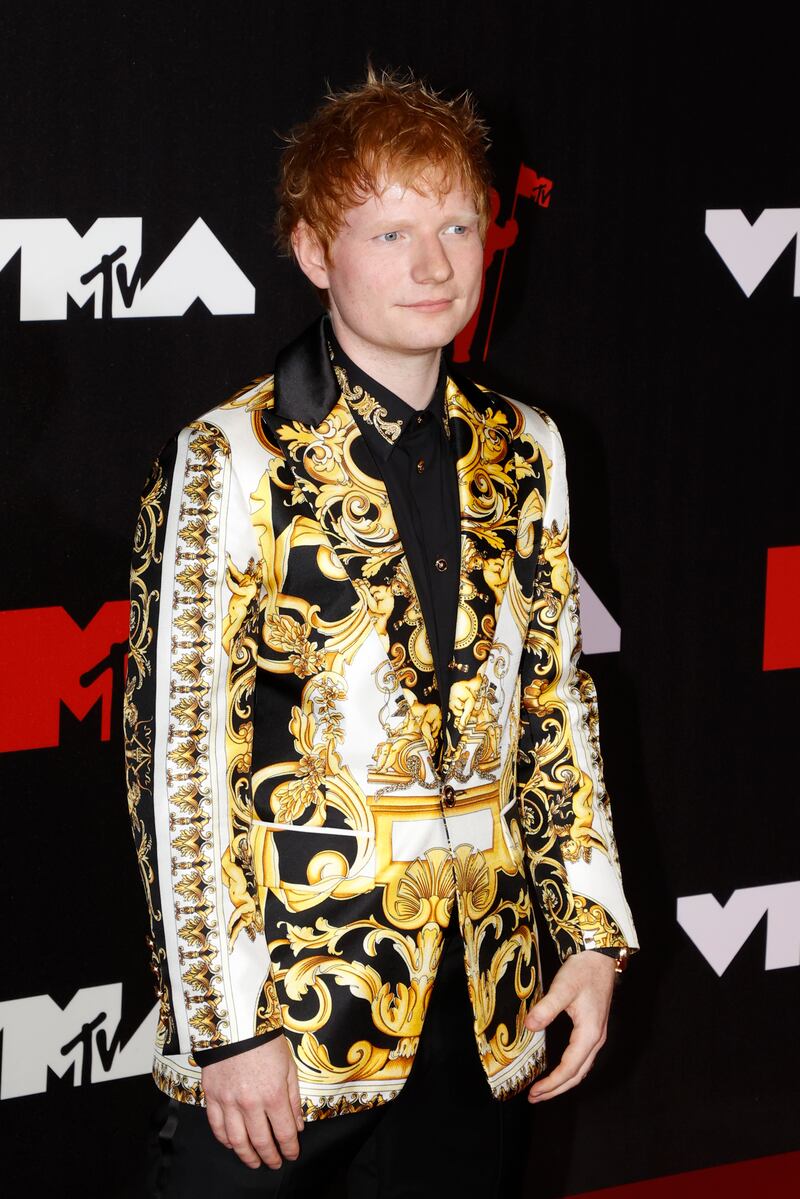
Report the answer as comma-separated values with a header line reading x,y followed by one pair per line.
x,y
362,286
473,272
351,296
471,258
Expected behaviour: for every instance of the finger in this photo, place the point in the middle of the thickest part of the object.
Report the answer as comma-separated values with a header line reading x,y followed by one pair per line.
x,y
284,1125
567,1075
570,1083
582,1046
216,1121
261,1136
294,1098
239,1140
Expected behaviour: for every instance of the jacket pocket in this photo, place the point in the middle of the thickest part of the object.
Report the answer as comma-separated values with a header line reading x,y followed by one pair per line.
x,y
305,866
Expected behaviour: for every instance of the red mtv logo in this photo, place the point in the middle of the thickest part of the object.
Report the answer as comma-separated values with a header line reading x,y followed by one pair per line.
x,y
47,660
782,611
530,186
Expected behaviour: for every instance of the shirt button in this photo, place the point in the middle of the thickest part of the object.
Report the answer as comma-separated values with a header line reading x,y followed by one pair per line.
x,y
448,796
441,564
420,466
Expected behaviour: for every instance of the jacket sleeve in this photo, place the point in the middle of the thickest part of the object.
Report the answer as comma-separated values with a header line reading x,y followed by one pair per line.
x,y
189,712
565,809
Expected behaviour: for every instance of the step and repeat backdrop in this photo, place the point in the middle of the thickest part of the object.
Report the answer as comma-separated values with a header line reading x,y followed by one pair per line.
x,y
643,286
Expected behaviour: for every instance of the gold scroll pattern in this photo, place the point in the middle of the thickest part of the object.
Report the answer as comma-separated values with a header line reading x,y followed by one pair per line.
x,y
138,731
556,796
188,740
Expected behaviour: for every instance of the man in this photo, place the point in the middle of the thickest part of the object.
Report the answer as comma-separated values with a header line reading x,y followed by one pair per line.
x,y
358,741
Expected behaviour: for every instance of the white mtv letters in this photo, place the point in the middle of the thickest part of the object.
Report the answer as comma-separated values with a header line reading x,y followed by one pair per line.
x,y
38,1034
750,251
57,262
720,932
600,633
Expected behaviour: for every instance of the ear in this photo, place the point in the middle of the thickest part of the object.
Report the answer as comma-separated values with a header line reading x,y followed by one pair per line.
x,y
310,255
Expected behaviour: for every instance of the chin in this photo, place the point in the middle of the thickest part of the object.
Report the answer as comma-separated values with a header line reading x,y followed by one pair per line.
x,y
424,344
431,331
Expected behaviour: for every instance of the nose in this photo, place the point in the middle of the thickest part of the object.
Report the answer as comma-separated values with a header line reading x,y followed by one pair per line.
x,y
431,264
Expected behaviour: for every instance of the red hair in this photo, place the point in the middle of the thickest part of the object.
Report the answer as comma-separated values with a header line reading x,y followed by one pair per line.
x,y
390,125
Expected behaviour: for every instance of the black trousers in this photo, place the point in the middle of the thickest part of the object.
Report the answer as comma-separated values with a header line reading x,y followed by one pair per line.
x,y
444,1134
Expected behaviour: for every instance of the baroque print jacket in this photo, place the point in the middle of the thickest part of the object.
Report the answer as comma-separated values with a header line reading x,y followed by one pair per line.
x,y
305,814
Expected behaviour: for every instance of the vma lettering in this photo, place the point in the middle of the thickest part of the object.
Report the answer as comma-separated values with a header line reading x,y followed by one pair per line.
x,y
103,266
750,251
719,931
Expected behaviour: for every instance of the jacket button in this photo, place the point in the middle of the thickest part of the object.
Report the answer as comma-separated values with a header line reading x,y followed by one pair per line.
x,y
448,796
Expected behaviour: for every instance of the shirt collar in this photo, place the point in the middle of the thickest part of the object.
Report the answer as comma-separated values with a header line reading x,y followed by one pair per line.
x,y
382,416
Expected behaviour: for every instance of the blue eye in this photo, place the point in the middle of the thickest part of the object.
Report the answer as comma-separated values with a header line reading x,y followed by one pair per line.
x,y
392,236
459,228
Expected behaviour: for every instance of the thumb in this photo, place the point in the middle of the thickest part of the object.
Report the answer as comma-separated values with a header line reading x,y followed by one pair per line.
x,y
543,1013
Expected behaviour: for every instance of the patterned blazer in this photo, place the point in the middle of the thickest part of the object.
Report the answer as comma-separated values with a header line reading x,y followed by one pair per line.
x,y
305,814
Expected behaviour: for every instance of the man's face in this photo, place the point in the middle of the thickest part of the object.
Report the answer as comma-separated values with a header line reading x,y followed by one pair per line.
x,y
404,272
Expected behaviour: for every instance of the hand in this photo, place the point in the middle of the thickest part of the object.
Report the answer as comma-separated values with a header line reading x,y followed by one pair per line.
x,y
253,1104
582,988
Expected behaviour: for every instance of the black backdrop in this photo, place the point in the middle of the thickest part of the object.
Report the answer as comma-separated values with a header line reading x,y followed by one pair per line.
x,y
676,396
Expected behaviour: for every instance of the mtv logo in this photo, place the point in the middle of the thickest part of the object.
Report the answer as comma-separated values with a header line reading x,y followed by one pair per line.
x,y
103,265
38,1036
47,660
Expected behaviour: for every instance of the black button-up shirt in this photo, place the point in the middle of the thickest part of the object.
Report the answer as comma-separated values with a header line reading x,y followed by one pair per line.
x,y
414,456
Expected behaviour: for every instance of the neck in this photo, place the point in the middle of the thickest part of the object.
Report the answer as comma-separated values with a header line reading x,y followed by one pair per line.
x,y
411,376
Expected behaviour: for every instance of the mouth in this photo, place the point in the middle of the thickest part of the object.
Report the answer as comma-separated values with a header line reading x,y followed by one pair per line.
x,y
429,305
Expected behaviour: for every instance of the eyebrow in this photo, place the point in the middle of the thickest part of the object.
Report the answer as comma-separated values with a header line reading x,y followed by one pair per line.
x,y
450,218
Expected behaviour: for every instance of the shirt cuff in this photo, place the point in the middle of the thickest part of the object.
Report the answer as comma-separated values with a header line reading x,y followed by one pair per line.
x,y
205,1057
